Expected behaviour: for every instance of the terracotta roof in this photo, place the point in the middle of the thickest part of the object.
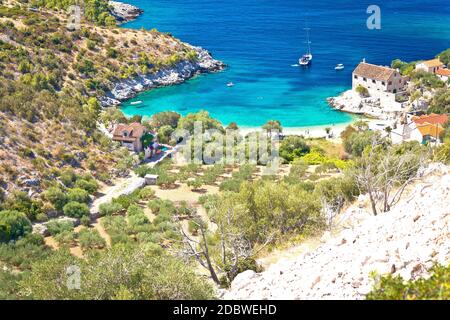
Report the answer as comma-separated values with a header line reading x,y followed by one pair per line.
x,y
135,131
372,71
433,63
433,130
431,119
443,72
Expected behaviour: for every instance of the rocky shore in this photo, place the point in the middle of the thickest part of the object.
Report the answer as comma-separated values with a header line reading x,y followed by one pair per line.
x,y
124,12
405,241
179,73
372,107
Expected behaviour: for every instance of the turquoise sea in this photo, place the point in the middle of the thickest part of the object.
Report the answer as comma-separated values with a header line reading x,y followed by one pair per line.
x,y
260,40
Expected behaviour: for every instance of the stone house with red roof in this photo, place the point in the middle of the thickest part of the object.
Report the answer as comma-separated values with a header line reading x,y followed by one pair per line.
x,y
431,66
129,135
378,79
422,129
443,74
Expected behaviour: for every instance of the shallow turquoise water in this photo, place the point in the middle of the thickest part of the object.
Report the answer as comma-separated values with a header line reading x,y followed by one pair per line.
x,y
261,39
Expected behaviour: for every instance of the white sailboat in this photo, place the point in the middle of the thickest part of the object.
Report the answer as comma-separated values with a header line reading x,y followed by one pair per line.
x,y
306,59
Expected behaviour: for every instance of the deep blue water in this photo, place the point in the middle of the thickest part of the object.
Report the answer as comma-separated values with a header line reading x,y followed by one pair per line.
x,y
261,39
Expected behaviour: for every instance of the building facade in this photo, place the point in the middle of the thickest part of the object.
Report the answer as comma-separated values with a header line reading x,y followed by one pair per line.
x,y
431,66
443,74
130,135
377,79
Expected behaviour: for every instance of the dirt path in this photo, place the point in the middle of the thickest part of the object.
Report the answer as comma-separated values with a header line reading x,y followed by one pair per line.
x,y
119,187
184,193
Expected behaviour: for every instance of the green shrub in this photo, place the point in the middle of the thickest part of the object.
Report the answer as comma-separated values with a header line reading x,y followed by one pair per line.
x,y
91,239
125,200
435,287
88,185
193,227
68,177
85,221
293,147
107,209
78,195
195,184
55,227
56,197
363,91
25,251
161,206
231,185
65,238
146,193
76,210
13,225
358,141
134,210
20,201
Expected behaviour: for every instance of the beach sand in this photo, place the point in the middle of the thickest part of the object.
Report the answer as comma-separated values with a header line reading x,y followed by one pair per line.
x,y
319,131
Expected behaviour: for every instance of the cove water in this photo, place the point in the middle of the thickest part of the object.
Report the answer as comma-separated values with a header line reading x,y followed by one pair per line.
x,y
260,40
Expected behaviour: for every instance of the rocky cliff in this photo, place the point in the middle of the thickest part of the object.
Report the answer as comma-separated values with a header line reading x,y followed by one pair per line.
x,y
405,241
124,12
182,71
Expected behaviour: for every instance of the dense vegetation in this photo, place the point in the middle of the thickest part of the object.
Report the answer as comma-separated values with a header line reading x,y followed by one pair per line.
x,y
130,273
94,10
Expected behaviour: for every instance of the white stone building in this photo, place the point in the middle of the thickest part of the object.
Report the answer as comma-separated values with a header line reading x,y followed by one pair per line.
x,y
378,79
431,66
443,74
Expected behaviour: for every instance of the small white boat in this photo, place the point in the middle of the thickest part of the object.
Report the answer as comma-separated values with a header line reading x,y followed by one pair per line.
x,y
340,66
304,61
136,102
230,84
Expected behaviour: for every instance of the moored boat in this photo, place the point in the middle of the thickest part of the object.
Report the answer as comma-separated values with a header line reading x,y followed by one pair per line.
x,y
306,59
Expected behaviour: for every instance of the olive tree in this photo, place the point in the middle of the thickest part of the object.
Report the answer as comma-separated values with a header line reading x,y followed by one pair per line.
x,y
384,172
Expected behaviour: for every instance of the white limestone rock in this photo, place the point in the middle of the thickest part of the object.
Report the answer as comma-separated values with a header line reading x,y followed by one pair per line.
x,y
181,72
405,241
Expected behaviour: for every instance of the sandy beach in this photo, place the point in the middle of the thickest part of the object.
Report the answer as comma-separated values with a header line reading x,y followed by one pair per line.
x,y
320,132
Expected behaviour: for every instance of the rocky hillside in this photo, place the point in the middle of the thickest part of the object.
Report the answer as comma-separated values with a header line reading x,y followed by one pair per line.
x,y
52,80
405,241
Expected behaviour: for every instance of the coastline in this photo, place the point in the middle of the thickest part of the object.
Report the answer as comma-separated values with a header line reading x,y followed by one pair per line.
x,y
124,12
182,71
319,131
307,132
126,89
370,107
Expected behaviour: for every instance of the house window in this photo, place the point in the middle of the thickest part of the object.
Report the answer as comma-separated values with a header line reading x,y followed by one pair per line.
x,y
390,82
383,83
355,76
125,133
364,79
374,81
